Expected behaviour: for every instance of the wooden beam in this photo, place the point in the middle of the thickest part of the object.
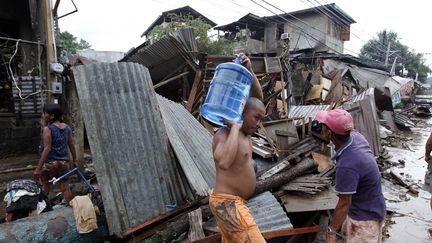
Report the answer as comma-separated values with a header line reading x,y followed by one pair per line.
x,y
194,90
270,141
157,219
268,235
50,50
28,168
196,231
170,79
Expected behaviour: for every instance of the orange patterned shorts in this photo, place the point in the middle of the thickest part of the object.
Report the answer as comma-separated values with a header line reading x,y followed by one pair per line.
x,y
234,220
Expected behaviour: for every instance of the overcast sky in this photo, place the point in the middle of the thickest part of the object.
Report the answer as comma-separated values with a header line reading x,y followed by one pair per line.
x,y
113,25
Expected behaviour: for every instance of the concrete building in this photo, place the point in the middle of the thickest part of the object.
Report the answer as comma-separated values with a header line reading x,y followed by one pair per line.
x,y
322,29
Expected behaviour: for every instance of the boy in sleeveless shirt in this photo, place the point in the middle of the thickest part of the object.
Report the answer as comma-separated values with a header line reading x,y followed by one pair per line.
x,y
53,151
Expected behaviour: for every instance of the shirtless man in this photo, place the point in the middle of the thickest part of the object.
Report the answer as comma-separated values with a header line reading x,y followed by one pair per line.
x,y
235,176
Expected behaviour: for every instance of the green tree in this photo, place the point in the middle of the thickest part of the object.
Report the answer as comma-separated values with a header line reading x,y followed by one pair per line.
x,y
408,62
201,31
71,44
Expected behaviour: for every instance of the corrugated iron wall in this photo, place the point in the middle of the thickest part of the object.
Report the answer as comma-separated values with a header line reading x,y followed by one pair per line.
x,y
192,144
135,167
306,111
31,106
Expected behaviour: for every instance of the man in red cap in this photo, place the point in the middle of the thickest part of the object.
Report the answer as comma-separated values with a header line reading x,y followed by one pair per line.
x,y
360,210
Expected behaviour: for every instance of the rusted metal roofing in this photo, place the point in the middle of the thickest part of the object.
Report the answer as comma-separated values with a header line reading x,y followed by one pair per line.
x,y
192,144
268,213
305,111
168,54
135,167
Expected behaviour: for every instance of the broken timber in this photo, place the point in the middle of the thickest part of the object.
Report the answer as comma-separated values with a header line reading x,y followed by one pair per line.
x,y
301,147
280,179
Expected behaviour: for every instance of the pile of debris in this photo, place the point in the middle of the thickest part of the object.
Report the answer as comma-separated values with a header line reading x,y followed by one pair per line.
x,y
164,170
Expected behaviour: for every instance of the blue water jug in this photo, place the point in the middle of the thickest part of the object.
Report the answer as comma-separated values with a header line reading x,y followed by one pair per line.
x,y
227,94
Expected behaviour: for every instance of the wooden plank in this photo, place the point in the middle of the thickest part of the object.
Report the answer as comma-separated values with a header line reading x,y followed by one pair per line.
x,y
162,217
194,91
196,231
170,79
28,168
269,235
270,141
261,151
325,200
281,165
323,161
272,64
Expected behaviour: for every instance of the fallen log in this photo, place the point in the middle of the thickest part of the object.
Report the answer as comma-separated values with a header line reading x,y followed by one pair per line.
x,y
173,228
282,178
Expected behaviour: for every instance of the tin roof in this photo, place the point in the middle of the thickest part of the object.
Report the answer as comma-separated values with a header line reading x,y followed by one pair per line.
x,y
268,213
168,54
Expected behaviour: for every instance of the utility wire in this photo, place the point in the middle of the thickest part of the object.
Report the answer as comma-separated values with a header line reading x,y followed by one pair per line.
x,y
372,37
327,12
13,76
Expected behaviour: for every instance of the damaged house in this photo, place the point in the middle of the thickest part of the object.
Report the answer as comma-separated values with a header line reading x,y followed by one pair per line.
x,y
25,52
322,29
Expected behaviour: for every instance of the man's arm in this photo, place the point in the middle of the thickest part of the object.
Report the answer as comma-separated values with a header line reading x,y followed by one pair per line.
x,y
46,135
256,90
428,148
340,214
225,145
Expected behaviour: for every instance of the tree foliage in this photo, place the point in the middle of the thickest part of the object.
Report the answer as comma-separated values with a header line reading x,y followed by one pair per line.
x,y
201,31
408,62
71,44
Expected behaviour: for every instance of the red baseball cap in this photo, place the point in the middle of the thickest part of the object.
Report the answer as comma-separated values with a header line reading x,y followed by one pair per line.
x,y
338,120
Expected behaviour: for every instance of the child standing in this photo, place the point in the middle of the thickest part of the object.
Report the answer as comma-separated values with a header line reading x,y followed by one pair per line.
x,y
53,151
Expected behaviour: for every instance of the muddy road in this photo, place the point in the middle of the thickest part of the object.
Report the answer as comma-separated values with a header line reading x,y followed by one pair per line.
x,y
412,216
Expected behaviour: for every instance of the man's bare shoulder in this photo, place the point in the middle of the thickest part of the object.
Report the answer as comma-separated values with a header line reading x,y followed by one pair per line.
x,y
220,136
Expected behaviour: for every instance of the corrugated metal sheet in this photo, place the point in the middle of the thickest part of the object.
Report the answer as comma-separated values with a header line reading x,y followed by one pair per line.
x,y
135,167
361,96
32,106
167,54
305,111
403,120
192,144
268,213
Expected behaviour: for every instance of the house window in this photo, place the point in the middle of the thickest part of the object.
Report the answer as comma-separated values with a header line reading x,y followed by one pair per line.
x,y
279,30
